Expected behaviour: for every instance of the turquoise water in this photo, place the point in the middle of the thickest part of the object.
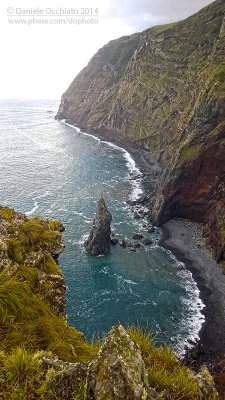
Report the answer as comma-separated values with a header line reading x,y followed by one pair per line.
x,y
52,169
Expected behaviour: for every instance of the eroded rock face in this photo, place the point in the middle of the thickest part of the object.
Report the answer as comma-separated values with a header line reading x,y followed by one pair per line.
x,y
118,372
206,385
67,379
99,238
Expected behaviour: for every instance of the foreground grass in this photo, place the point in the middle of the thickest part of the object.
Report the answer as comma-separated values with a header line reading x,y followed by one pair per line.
x,y
30,329
165,372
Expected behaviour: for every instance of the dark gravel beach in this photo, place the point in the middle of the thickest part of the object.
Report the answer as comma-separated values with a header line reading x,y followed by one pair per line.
x,y
180,238
184,239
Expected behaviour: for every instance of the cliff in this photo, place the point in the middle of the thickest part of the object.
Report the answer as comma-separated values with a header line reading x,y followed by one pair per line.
x,y
164,90
42,357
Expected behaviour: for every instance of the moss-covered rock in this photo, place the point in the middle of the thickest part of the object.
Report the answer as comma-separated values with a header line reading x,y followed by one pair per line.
x,y
118,372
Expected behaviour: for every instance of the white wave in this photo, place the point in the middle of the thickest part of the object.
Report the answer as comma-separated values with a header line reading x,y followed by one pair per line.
x,y
47,193
193,319
131,165
78,130
33,210
137,190
82,240
130,282
79,213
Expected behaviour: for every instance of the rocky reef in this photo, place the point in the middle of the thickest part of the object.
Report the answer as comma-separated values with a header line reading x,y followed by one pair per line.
x,y
99,241
163,90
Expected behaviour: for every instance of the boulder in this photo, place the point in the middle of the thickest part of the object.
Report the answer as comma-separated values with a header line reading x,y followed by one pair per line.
x,y
137,215
147,242
137,236
151,229
123,243
98,241
118,372
65,382
114,241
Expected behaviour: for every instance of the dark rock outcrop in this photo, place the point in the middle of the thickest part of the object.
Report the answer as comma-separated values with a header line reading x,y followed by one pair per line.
x,y
118,372
99,238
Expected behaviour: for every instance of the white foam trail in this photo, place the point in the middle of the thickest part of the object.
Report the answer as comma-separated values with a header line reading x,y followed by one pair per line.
x,y
192,323
33,210
130,282
131,165
78,130
47,193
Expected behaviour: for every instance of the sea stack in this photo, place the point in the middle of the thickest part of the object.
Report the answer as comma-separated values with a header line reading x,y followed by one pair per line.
x,y
99,238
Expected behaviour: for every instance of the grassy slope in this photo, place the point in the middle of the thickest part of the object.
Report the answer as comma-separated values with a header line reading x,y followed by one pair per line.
x,y
30,329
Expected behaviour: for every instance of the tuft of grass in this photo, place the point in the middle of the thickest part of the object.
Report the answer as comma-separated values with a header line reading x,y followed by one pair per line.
x,y
55,225
143,338
27,320
49,265
22,365
6,213
165,372
15,250
22,376
35,232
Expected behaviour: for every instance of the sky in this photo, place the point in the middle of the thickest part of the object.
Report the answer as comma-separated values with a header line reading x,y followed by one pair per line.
x,y
45,43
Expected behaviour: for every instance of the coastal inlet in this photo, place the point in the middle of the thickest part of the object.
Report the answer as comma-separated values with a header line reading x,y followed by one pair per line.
x,y
52,169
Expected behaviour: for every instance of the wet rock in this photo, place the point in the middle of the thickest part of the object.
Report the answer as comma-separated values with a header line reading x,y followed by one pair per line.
x,y
137,236
132,249
123,243
131,202
151,229
147,242
99,238
118,372
137,215
114,241
137,245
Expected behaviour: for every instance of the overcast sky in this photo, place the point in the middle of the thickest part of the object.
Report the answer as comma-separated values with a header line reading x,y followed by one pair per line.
x,y
42,52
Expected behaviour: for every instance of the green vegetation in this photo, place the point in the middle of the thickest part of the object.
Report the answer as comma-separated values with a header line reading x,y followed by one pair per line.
x,y
30,329
55,225
28,321
188,152
6,213
35,232
163,28
164,370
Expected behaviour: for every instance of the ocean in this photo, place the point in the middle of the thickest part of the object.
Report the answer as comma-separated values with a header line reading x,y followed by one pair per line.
x,y
51,169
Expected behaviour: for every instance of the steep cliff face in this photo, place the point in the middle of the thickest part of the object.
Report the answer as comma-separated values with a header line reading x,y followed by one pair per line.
x,y
164,90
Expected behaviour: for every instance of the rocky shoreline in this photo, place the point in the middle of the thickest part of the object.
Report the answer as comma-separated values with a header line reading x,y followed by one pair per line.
x,y
185,241
188,246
